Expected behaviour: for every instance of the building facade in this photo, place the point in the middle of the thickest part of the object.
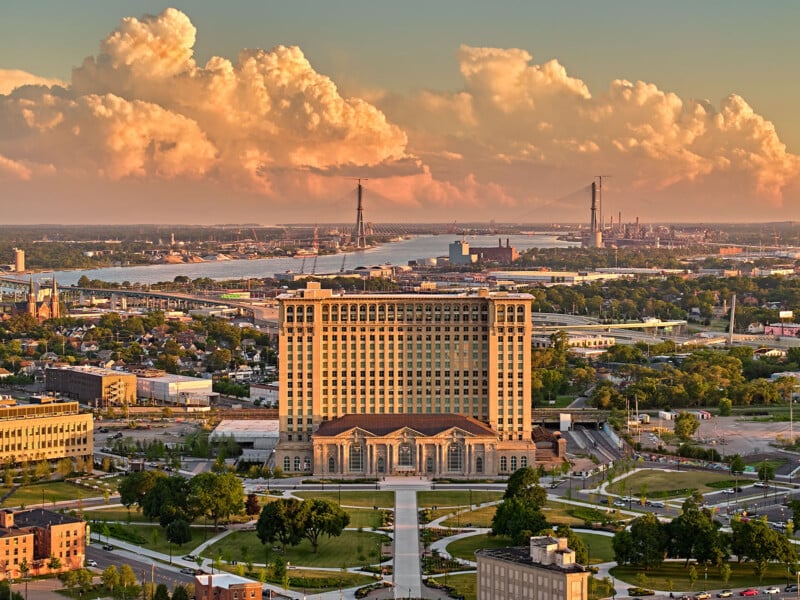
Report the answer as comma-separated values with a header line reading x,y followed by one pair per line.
x,y
50,432
226,586
545,570
93,385
31,539
402,354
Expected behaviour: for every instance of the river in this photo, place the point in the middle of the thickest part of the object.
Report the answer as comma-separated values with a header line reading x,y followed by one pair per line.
x,y
395,253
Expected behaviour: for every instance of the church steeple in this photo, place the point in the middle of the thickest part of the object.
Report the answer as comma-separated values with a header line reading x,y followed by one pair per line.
x,y
55,308
32,299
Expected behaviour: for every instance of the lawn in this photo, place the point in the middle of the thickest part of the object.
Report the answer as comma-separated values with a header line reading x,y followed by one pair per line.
x,y
114,513
741,576
160,543
664,484
600,548
448,498
380,499
556,513
309,579
364,518
465,584
339,552
52,491
465,547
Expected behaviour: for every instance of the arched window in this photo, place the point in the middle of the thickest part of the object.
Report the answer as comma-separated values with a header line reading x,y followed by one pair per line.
x,y
523,462
287,463
454,457
331,465
357,457
405,455
296,463
479,464
513,463
306,464
503,464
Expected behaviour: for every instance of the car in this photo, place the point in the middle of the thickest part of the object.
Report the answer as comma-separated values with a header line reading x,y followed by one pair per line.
x,y
190,557
773,589
620,503
656,504
760,484
702,596
749,592
200,572
724,594
792,587
91,563
187,570
728,491
108,547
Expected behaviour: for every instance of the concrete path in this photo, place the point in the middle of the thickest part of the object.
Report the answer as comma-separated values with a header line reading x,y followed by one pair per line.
x,y
407,567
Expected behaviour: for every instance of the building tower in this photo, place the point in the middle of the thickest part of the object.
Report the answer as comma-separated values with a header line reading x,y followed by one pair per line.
x,y
55,306
31,306
19,260
361,231
595,231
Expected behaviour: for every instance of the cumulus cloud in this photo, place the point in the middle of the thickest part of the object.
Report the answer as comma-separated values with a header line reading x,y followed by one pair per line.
x,y
11,79
267,125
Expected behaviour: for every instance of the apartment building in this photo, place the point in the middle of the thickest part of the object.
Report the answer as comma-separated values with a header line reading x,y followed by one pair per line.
x,y
403,354
92,385
544,570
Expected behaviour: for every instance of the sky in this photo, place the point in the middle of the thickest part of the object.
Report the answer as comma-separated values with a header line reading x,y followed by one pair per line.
x,y
265,112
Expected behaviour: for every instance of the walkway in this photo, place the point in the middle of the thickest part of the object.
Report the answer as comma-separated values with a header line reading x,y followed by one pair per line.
x,y
407,567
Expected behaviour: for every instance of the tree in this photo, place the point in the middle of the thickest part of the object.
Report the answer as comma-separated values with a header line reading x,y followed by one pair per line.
x,y
320,517
180,593
523,485
179,532
167,501
135,486
518,520
161,592
575,543
643,545
725,405
766,472
54,563
686,424
252,506
280,521
737,464
65,467
85,578
695,535
127,578
111,577
217,494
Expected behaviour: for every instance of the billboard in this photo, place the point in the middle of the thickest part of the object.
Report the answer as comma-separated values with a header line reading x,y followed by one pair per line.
x,y
786,314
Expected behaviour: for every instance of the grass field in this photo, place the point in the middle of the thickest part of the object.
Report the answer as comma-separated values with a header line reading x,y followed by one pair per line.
x,y
364,518
52,491
309,580
741,576
466,584
160,543
666,483
556,513
342,551
455,498
465,547
353,498
600,548
115,513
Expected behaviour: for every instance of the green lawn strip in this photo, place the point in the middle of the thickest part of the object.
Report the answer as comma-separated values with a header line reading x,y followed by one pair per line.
x,y
772,462
309,579
600,547
465,584
364,518
159,543
480,517
556,513
599,588
339,552
465,547
95,594
741,576
451,498
52,491
663,484
110,514
381,499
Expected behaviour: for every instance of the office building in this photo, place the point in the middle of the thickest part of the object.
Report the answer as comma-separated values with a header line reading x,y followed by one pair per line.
x,y
92,385
544,570
50,432
403,354
226,586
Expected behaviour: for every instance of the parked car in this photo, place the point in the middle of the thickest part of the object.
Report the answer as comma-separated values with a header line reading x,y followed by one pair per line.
x,y
656,504
724,594
749,592
702,596
187,570
190,557
620,503
91,563
108,547
792,587
773,589
760,484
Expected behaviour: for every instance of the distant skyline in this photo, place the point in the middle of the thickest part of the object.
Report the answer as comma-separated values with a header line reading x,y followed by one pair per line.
x,y
455,110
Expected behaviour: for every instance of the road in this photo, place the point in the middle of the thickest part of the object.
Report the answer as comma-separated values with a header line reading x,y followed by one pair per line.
x,y
159,572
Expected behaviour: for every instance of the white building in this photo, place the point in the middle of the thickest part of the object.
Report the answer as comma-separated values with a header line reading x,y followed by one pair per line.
x,y
257,437
267,393
175,389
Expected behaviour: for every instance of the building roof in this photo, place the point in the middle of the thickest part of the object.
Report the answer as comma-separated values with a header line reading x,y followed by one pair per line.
x,y
522,555
38,517
224,580
384,424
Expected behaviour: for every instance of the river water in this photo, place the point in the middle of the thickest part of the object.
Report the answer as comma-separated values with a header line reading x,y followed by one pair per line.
x,y
395,253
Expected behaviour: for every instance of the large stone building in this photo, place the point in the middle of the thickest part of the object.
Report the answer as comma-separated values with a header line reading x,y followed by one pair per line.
x,y
545,570
403,354
92,385
50,432
32,538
